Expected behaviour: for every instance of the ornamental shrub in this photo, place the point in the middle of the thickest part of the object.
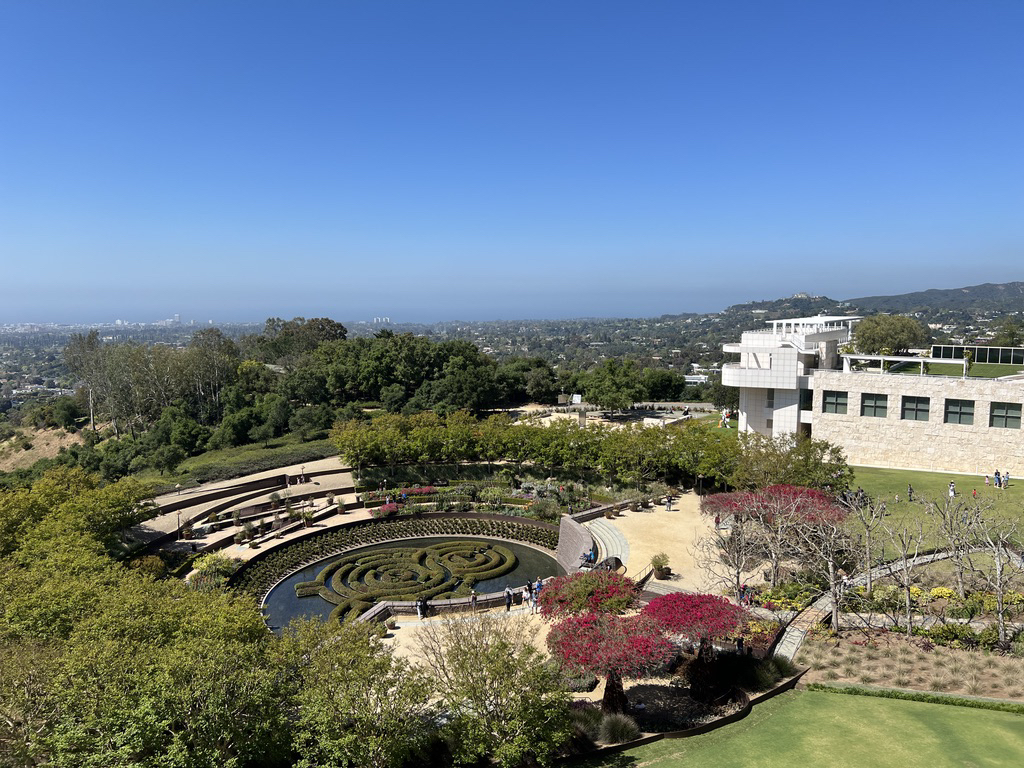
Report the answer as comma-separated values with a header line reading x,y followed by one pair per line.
x,y
942,593
587,719
954,635
617,729
586,592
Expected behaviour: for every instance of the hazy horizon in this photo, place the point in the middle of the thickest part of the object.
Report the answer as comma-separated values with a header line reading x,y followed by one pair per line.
x,y
501,161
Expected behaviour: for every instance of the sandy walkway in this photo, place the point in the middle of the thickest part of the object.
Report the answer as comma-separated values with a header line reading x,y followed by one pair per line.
x,y
674,532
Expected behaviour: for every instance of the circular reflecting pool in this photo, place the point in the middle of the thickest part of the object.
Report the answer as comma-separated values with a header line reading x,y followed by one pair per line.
x,y
435,567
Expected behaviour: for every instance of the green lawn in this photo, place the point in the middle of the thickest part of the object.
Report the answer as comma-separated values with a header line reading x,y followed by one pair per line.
x,y
812,728
978,370
886,484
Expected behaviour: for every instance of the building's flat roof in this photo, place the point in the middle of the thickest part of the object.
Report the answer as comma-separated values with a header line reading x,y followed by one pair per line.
x,y
816,320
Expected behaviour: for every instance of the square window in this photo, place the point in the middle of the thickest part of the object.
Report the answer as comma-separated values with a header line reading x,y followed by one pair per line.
x,y
915,408
959,412
874,405
833,402
1005,415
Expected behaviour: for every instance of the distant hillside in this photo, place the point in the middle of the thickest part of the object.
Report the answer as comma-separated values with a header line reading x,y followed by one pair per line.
x,y
992,297
800,305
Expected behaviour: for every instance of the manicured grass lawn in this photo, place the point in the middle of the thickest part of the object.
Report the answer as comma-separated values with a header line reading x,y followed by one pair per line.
x,y
978,370
811,728
886,484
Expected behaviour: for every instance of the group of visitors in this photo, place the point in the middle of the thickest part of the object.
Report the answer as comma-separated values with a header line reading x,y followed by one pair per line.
x,y
999,481
531,595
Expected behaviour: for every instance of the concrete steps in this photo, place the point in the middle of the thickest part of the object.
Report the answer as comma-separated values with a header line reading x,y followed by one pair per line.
x,y
609,539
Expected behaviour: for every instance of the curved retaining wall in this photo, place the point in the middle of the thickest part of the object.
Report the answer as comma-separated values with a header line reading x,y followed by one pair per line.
x,y
745,710
573,541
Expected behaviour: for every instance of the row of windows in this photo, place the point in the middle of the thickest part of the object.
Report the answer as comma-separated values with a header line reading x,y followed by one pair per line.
x,y
912,408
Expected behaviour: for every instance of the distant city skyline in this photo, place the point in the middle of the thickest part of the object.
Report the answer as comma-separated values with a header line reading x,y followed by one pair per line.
x,y
471,161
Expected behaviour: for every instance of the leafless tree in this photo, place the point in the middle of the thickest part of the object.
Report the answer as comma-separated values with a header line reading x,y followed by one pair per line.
x,y
728,552
870,515
827,550
955,523
906,537
997,540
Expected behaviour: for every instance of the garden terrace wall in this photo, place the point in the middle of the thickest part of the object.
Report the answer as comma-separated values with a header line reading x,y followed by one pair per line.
x,y
573,541
202,497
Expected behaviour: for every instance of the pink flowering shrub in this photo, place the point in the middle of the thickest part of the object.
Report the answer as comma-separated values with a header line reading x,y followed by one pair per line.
x,y
585,592
385,510
699,617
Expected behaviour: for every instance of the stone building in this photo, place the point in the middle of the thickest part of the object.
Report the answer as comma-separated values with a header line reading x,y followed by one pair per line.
x,y
794,377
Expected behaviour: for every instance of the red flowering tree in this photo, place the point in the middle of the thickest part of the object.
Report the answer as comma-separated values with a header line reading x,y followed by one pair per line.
x,y
587,592
701,618
613,647
771,520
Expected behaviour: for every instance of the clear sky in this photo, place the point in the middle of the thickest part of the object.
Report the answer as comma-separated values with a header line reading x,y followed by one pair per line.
x,y
490,159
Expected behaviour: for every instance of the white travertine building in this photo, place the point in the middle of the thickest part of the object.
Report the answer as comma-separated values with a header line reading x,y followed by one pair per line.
x,y
794,377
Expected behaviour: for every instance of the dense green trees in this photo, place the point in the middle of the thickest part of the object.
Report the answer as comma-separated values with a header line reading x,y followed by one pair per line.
x,y
357,703
504,702
889,335
103,665
632,455
790,460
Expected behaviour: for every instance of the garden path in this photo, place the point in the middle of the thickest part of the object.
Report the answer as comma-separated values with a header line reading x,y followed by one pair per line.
x,y
675,532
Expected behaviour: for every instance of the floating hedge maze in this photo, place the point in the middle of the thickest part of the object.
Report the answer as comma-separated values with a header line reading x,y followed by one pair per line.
x,y
258,576
355,582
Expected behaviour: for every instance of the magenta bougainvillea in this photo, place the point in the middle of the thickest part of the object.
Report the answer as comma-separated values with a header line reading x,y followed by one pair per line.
x,y
699,617
587,592
791,502
611,646
626,646
385,510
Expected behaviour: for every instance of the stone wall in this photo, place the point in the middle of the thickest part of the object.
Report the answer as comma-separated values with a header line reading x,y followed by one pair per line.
x,y
930,445
573,540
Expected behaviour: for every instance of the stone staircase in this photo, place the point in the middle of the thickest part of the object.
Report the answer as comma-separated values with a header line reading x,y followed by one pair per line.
x,y
609,539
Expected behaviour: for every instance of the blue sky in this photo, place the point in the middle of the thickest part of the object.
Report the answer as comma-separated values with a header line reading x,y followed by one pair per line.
x,y
488,160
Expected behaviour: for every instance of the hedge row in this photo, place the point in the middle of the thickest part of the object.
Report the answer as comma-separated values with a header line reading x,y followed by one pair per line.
x,y
928,698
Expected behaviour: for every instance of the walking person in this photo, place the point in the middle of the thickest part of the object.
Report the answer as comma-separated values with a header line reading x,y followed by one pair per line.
x,y
508,598
472,600
952,489
528,598
1006,479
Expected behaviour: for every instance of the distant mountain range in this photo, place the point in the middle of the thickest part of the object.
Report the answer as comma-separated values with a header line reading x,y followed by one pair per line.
x,y
998,298
993,297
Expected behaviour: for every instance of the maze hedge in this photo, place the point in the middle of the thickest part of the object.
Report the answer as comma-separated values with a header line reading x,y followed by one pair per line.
x,y
407,573
390,576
